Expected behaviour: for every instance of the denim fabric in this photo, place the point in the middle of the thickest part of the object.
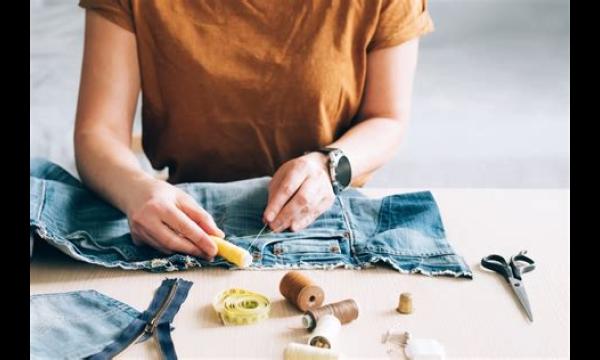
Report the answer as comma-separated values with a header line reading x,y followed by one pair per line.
x,y
88,324
403,231
155,321
76,324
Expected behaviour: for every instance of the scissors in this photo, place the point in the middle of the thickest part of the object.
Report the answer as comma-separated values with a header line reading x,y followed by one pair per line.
x,y
512,271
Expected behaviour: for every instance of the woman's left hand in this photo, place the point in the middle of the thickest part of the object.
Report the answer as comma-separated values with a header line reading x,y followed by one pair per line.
x,y
299,192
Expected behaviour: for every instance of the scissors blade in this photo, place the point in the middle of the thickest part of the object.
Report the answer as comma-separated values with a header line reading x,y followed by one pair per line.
x,y
519,290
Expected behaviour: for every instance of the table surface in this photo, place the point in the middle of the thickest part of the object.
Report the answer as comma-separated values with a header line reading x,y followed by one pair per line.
x,y
477,318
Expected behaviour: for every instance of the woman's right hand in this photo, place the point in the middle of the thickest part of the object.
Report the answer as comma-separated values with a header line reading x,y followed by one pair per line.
x,y
168,219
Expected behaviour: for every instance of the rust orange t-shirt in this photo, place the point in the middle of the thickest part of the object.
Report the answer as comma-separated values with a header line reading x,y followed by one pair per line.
x,y
232,89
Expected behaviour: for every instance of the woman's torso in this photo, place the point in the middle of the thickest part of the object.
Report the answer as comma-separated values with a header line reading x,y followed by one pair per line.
x,y
233,89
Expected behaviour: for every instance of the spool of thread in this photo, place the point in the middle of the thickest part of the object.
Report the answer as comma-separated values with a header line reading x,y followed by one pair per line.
x,y
325,332
345,311
405,305
232,253
294,351
301,291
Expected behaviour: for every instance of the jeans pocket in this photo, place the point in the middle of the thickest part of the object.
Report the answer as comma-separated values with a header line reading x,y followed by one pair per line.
x,y
407,241
306,247
409,224
308,250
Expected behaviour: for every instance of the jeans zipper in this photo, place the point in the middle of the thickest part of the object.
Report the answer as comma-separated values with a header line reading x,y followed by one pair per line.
x,y
151,326
349,231
153,323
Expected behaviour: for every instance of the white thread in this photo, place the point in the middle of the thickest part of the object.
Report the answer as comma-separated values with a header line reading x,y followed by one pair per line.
x,y
294,351
326,332
256,238
307,321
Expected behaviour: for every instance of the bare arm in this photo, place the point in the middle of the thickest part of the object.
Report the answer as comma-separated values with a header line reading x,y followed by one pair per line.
x,y
385,109
301,190
110,85
159,214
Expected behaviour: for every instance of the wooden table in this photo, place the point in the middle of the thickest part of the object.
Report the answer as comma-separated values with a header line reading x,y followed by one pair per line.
x,y
477,318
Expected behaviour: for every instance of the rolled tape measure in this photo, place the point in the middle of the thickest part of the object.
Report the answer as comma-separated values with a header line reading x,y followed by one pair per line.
x,y
241,307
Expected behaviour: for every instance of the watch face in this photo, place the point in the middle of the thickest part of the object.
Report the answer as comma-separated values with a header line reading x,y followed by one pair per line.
x,y
343,174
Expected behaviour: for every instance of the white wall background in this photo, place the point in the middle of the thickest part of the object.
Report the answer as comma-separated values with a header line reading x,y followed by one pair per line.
x,y
490,108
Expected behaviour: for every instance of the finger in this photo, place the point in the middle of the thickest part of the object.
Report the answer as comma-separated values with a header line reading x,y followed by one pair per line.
x,y
281,192
150,241
141,237
182,225
327,201
299,207
189,206
163,235
306,221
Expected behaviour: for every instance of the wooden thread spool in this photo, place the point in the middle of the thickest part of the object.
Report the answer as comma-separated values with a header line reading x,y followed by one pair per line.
x,y
345,311
405,304
301,291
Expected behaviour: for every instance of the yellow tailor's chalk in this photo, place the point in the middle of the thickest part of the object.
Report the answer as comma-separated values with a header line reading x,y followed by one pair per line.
x,y
232,253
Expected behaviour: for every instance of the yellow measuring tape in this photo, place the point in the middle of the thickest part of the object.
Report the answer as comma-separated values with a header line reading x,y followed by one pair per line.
x,y
241,307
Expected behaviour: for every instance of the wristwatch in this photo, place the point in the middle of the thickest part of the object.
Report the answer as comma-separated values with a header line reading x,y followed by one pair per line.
x,y
339,169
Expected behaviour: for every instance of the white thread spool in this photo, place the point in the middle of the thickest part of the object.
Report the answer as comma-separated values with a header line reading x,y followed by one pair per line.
x,y
326,332
294,351
426,349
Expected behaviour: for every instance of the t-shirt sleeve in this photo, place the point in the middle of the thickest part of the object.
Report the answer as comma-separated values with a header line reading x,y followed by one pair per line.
x,y
400,21
116,11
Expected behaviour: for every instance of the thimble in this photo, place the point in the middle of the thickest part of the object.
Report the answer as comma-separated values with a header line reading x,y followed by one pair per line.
x,y
405,305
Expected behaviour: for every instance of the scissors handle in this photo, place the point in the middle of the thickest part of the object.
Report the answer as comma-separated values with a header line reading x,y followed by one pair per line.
x,y
521,264
498,264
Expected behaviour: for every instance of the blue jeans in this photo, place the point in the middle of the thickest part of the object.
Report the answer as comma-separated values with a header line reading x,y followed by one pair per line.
x,y
91,325
402,231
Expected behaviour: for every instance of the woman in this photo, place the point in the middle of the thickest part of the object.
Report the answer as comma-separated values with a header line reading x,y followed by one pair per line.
x,y
239,89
